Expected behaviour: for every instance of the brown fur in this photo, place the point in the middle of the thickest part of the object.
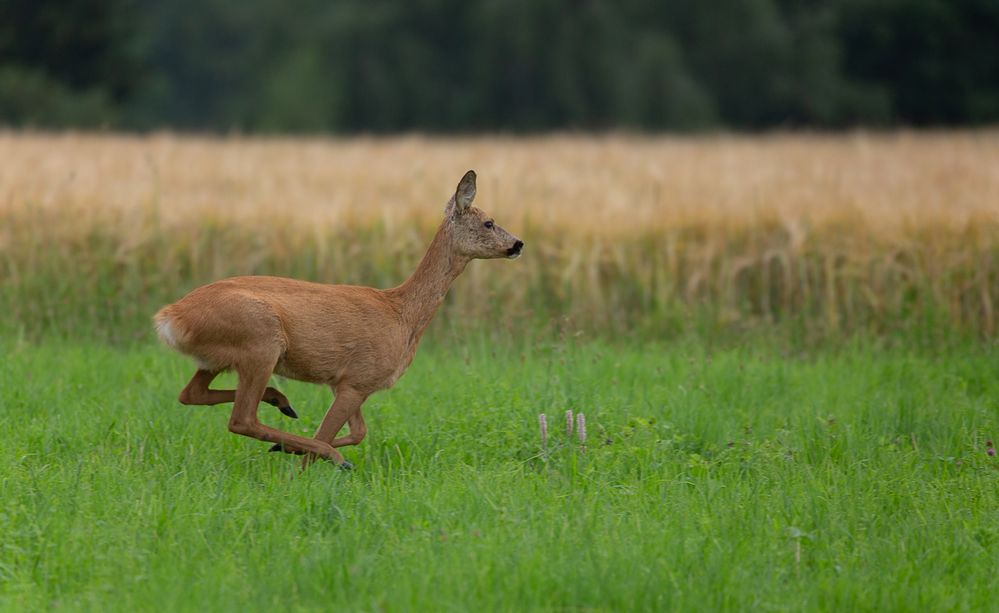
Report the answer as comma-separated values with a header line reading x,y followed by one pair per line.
x,y
357,340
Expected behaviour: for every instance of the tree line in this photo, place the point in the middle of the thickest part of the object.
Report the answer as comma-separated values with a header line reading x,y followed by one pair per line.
x,y
348,66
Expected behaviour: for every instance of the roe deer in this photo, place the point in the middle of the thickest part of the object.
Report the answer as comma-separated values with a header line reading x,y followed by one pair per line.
x,y
357,340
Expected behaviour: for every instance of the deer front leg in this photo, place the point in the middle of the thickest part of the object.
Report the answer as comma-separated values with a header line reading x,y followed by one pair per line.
x,y
249,392
357,431
197,393
347,403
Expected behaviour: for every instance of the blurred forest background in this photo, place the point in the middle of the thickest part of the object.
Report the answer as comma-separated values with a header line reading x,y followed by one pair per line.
x,y
450,66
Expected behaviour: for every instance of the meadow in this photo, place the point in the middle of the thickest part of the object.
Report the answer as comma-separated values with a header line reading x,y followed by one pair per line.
x,y
731,479
783,347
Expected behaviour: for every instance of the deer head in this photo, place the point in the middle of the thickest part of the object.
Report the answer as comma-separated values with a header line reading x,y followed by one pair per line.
x,y
474,234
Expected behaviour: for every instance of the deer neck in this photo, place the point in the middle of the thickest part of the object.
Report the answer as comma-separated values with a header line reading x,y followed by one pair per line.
x,y
423,292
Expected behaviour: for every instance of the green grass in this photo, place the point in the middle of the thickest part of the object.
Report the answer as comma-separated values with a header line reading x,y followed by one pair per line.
x,y
738,478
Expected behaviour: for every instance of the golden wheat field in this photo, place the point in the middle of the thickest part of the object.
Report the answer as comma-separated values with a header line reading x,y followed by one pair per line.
x,y
826,234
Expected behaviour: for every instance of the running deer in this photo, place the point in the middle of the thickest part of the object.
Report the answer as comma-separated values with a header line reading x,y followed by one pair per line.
x,y
357,340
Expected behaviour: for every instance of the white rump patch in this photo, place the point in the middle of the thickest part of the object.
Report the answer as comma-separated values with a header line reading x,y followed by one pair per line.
x,y
164,328
171,334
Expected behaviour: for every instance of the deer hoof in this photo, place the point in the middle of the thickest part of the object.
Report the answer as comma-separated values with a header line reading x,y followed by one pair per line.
x,y
345,465
280,447
290,412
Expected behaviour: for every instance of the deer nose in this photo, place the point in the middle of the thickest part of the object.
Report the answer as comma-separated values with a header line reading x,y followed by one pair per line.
x,y
515,250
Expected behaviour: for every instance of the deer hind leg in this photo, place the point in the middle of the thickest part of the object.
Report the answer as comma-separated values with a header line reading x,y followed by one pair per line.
x,y
197,392
249,393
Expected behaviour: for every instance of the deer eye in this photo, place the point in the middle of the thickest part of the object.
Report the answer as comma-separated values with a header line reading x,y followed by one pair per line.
x,y
489,225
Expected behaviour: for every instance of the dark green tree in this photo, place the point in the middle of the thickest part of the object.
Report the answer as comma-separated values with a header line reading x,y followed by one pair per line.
x,y
348,66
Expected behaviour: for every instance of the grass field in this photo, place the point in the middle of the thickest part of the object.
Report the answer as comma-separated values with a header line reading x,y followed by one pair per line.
x,y
711,479
783,346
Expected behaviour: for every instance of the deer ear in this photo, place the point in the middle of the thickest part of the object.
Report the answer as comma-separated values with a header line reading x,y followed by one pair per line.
x,y
465,194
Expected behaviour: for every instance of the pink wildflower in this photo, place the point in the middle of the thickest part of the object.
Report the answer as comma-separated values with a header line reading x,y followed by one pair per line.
x,y
581,427
568,422
543,422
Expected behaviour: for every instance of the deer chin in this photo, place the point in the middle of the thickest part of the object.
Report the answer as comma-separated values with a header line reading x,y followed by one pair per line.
x,y
514,256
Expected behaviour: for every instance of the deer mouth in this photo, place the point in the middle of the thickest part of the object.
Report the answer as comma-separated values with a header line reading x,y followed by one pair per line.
x,y
514,252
